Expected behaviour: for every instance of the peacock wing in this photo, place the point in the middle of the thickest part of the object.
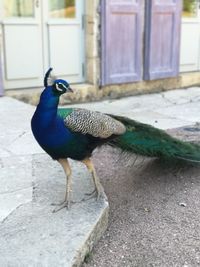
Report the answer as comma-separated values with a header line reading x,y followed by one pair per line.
x,y
93,123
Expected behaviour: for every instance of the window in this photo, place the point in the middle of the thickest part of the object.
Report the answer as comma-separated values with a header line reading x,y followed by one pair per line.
x,y
190,8
18,8
62,9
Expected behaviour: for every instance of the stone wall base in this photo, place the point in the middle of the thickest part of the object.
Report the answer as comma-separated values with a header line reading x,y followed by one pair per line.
x,y
89,92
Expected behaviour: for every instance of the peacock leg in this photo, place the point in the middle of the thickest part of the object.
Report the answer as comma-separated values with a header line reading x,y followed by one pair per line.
x,y
98,187
67,200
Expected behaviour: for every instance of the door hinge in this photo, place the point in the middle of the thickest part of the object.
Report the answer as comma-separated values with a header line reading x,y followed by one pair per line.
x,y
83,69
83,22
37,4
99,9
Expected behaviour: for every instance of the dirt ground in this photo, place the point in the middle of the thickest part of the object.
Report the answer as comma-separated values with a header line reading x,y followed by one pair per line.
x,y
154,213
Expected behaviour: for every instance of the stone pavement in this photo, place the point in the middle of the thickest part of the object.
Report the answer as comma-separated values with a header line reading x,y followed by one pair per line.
x,y
170,109
30,235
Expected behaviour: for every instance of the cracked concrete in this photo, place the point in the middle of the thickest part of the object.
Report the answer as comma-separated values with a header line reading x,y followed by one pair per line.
x,y
30,181
10,201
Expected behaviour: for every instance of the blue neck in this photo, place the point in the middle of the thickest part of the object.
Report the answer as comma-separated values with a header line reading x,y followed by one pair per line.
x,y
46,110
48,99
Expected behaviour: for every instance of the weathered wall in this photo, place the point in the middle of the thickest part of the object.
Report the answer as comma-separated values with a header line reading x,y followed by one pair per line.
x,y
90,91
92,39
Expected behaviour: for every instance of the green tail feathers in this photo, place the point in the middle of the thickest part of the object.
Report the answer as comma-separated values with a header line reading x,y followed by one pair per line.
x,y
146,140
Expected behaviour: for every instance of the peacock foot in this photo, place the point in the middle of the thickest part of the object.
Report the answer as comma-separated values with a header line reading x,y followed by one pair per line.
x,y
97,192
62,205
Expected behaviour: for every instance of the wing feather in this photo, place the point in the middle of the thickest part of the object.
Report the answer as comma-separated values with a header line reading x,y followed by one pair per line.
x,y
94,123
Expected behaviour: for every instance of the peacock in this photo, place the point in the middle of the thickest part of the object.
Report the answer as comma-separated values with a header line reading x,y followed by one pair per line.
x,y
74,133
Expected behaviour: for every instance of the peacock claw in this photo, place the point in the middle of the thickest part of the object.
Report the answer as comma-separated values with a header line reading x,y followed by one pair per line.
x,y
91,193
62,205
98,193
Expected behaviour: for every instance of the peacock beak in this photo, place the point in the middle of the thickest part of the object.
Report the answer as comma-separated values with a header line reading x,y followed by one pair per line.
x,y
70,89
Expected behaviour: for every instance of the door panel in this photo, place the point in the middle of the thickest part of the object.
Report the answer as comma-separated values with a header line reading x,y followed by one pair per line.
x,y
22,47
40,34
65,37
190,50
23,63
121,41
62,50
190,37
162,39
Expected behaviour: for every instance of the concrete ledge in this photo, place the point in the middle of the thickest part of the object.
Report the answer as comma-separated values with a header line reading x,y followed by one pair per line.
x,y
30,234
33,235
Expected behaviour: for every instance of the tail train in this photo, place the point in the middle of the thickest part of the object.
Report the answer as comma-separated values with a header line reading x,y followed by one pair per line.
x,y
149,141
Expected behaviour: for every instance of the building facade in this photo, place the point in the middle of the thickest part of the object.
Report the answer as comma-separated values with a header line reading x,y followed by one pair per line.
x,y
103,47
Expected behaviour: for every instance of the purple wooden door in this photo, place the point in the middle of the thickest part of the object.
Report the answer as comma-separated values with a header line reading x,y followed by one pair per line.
x,y
162,39
121,46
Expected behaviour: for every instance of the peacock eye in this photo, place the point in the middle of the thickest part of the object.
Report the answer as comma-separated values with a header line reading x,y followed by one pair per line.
x,y
60,86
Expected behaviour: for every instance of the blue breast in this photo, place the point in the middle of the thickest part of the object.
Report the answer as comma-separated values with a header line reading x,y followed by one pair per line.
x,y
52,134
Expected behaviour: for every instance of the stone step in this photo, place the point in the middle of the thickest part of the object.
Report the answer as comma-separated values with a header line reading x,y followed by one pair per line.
x,y
30,234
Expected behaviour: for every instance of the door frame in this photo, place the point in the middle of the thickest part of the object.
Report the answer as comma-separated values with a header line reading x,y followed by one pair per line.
x,y
48,22
191,21
43,22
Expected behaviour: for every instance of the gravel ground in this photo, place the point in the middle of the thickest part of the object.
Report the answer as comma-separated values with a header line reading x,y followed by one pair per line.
x,y
154,213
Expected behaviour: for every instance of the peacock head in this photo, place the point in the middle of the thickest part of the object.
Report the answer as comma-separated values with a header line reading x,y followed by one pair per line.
x,y
58,86
61,86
